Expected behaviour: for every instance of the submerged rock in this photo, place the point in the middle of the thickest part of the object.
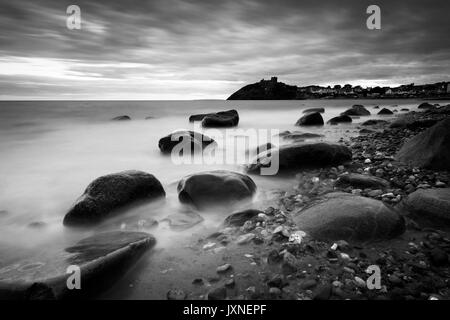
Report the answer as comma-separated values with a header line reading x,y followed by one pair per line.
x,y
121,118
102,259
373,122
107,194
195,140
431,205
429,149
321,110
183,220
296,135
215,188
340,119
356,110
228,118
297,156
310,119
361,181
238,219
344,216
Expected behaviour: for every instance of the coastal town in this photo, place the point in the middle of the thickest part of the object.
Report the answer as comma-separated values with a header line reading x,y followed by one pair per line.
x,y
274,90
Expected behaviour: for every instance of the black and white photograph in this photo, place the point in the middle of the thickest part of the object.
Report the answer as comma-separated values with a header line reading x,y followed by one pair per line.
x,y
245,151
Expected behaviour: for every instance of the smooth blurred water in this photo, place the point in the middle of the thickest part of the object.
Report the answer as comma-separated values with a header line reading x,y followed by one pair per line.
x,y
51,150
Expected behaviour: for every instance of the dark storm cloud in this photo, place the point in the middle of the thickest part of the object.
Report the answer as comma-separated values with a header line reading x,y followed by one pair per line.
x,y
199,49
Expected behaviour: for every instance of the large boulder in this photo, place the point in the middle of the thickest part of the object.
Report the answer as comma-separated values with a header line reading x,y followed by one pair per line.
x,y
361,181
107,194
298,156
385,111
195,140
215,188
429,149
340,119
349,217
310,119
321,110
228,118
432,205
356,110
102,258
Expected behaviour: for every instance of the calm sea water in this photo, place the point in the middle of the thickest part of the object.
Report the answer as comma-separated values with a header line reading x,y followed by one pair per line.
x,y
51,150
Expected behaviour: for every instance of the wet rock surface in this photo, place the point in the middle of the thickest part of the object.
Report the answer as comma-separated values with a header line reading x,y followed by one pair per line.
x,y
110,193
298,156
186,138
311,119
215,188
102,259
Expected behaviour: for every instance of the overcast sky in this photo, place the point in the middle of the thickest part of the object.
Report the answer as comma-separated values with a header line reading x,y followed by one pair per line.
x,y
174,49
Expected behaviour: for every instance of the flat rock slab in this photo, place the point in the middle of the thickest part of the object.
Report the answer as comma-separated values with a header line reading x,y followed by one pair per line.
x,y
102,259
345,216
432,205
361,181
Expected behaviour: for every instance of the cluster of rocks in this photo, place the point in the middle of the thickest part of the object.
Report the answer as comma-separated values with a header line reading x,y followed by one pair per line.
x,y
321,239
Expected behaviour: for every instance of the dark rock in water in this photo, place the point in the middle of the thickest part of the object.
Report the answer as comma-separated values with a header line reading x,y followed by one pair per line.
x,y
356,110
340,119
310,119
361,181
431,205
121,118
321,110
373,122
183,220
376,107
298,156
149,118
426,105
228,118
215,188
385,111
189,139
37,225
404,109
296,135
238,219
429,149
102,259
112,192
345,216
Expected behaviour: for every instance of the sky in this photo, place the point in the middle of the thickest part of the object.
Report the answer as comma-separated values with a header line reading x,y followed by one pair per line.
x,y
207,49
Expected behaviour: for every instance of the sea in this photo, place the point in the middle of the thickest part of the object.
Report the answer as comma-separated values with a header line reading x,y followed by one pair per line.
x,y
51,150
